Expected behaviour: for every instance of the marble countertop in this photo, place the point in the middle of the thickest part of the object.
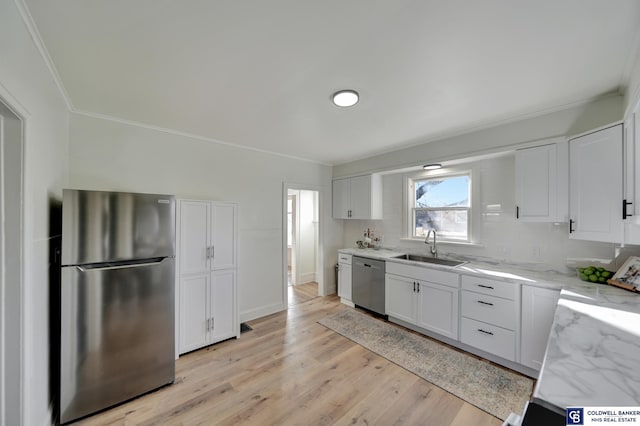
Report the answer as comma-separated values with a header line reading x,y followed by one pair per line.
x,y
593,351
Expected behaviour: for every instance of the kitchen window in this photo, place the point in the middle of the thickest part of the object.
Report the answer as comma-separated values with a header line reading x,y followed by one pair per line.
x,y
442,203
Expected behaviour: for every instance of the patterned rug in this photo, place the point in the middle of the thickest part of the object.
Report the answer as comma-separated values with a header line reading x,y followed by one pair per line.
x,y
496,390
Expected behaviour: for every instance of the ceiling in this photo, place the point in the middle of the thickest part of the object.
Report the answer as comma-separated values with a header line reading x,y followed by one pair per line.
x,y
260,73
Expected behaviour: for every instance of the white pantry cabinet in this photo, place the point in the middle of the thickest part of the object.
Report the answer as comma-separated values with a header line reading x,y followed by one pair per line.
x,y
344,278
358,197
596,186
538,309
542,182
206,273
423,297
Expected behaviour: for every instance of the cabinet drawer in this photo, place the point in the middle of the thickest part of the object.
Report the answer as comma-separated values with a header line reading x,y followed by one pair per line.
x,y
490,309
491,287
489,338
419,273
344,258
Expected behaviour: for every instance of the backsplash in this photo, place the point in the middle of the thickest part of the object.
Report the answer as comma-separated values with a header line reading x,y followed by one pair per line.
x,y
501,237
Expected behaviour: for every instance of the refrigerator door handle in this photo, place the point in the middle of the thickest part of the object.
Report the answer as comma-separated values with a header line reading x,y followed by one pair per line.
x,y
85,268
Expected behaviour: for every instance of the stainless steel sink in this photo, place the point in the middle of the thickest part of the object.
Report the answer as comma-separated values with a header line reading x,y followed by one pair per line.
x,y
427,259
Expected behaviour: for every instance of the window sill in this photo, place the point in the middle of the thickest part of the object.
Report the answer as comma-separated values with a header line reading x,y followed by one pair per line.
x,y
439,242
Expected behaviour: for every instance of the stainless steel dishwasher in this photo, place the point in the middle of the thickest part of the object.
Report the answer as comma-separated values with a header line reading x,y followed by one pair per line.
x,y
368,284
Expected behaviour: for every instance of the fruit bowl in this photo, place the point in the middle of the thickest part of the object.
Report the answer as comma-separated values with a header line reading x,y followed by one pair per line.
x,y
594,274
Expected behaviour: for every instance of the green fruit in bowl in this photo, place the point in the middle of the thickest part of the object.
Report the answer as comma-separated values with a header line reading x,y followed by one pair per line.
x,y
594,274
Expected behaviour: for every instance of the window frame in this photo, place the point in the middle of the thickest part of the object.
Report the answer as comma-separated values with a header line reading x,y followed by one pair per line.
x,y
410,204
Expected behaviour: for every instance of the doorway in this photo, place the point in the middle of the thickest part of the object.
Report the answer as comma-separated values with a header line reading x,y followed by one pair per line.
x,y
11,170
302,265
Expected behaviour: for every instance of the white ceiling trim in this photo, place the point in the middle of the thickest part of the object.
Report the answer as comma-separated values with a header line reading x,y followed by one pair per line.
x,y
190,135
44,53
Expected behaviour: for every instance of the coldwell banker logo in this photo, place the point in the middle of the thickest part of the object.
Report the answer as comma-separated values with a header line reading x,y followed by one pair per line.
x,y
575,416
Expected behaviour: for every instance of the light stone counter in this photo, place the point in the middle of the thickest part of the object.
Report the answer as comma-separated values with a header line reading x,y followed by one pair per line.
x,y
593,352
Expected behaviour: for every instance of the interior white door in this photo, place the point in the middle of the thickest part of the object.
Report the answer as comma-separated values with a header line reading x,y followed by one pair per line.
x,y
194,236
596,187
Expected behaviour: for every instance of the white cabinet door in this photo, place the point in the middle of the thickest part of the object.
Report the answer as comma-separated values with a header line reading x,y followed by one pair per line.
x,y
194,312
361,197
538,309
438,308
341,198
536,184
223,238
344,281
400,298
193,235
222,302
595,182
358,197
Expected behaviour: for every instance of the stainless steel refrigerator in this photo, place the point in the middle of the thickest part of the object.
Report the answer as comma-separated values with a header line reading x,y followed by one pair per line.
x,y
116,299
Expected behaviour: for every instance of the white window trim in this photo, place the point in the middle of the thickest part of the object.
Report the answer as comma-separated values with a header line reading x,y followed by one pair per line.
x,y
474,209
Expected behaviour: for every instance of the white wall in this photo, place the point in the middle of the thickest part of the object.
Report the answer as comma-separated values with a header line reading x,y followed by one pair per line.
x,y
501,236
111,155
569,121
27,86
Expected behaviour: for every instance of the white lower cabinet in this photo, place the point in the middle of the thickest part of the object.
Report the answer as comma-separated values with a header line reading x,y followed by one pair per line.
x,y
491,316
344,277
206,309
423,297
538,309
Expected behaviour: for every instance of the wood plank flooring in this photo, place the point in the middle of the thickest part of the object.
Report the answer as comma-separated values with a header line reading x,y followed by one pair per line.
x,y
290,370
302,293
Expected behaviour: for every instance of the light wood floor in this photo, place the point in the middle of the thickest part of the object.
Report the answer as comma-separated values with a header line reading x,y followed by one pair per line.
x,y
302,293
292,371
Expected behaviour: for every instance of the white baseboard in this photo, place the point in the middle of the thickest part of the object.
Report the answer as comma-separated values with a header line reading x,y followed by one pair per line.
x,y
307,277
262,311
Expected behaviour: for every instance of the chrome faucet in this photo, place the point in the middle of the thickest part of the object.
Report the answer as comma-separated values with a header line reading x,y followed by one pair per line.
x,y
433,248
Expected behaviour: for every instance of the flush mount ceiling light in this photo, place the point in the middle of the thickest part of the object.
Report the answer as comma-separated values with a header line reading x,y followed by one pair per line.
x,y
432,166
345,98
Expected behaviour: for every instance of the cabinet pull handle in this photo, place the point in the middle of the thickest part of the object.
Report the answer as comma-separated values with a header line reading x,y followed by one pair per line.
x,y
485,286
571,222
485,303
485,332
213,252
625,215
418,287
212,324
517,212
414,286
207,324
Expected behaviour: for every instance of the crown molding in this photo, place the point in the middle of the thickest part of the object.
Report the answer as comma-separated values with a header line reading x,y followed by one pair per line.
x,y
27,18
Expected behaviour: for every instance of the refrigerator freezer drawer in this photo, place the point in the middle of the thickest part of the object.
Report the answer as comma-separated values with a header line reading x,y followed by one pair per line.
x,y
99,226
117,335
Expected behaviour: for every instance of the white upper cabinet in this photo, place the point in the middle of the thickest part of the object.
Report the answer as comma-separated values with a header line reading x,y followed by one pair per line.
x,y
596,186
358,197
541,182
632,176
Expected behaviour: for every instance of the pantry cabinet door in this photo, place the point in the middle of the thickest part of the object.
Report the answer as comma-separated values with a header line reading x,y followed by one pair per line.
x,y
194,312
193,234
